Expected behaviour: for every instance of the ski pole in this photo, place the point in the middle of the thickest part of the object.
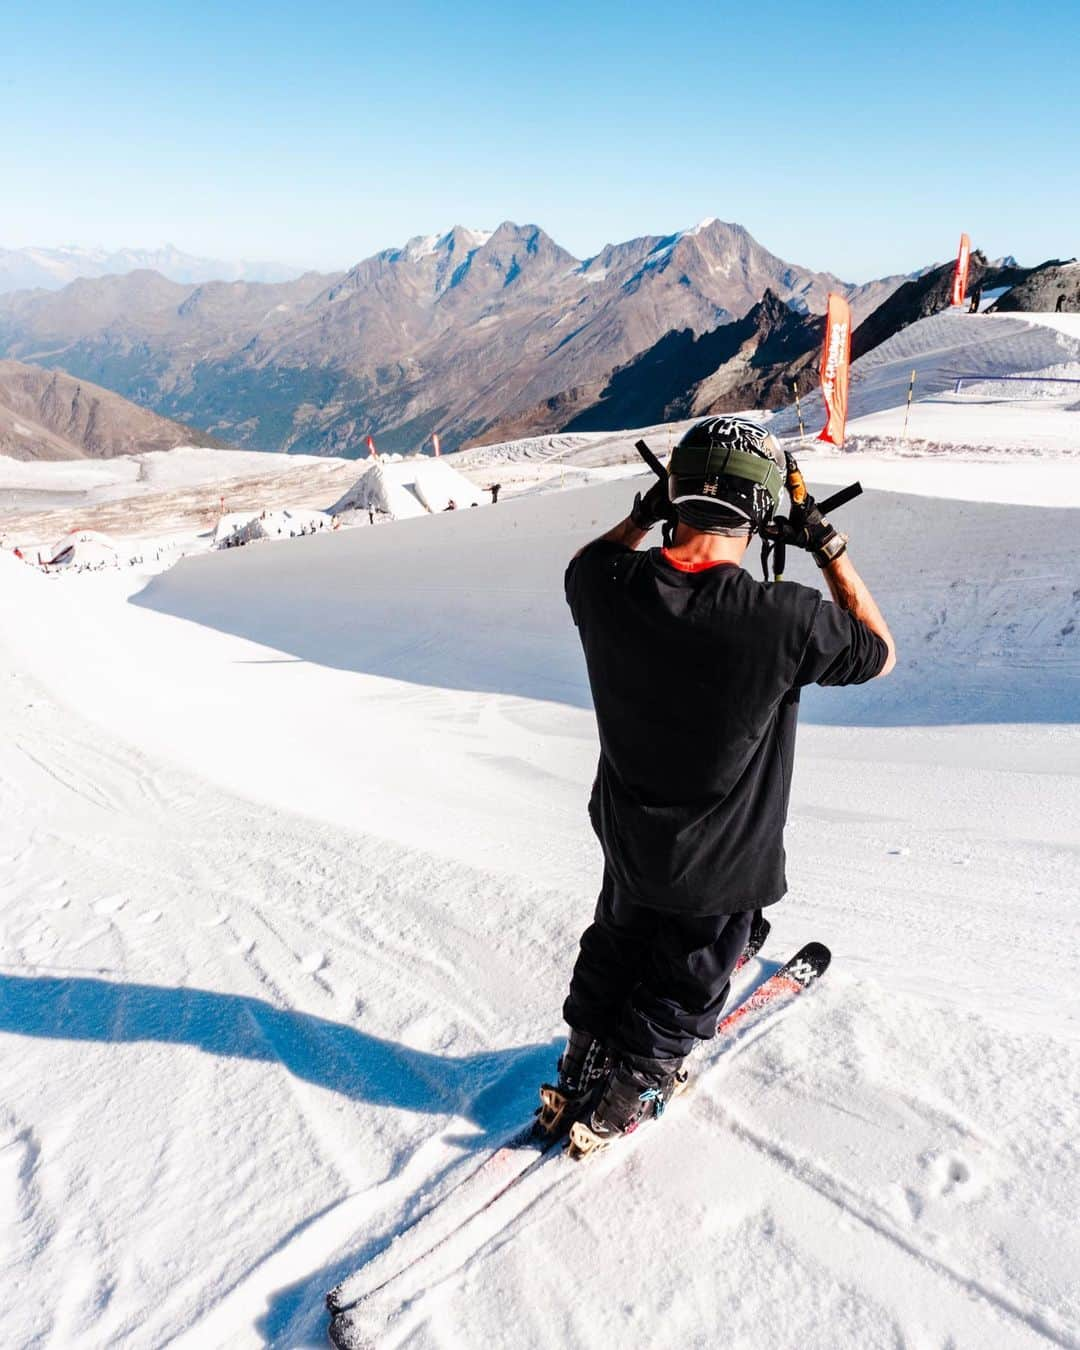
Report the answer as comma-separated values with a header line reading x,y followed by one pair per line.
x,y
798,409
651,460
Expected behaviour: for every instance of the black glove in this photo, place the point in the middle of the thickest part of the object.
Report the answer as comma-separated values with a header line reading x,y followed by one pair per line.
x,y
807,528
654,507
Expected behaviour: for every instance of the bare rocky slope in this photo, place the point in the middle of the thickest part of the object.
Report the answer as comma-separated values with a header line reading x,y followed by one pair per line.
x,y
454,334
1044,288
747,363
45,414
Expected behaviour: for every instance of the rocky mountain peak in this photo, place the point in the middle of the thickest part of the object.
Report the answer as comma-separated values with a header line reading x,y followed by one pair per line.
x,y
456,332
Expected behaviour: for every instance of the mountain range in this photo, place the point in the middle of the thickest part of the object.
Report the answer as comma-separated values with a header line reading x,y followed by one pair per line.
x,y
52,268
460,333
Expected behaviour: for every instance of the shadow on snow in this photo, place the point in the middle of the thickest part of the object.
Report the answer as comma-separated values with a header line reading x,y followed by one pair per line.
x,y
330,1055
979,641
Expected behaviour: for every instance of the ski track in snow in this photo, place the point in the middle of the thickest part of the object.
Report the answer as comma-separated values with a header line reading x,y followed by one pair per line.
x,y
272,982
275,892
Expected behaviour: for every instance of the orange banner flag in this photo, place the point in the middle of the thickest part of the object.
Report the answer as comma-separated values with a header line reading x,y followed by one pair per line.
x,y
835,369
960,272
373,453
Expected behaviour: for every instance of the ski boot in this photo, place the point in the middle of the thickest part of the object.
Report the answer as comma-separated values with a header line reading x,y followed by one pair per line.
x,y
582,1067
632,1094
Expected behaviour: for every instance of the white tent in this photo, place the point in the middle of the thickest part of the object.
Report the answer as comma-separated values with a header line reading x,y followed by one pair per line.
x,y
408,487
287,523
84,548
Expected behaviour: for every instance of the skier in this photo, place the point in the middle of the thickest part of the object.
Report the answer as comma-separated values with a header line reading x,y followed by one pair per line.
x,y
976,300
695,670
495,489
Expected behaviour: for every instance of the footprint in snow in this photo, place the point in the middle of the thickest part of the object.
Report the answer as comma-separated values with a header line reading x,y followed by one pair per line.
x,y
243,946
61,902
951,1173
150,916
110,904
216,921
313,963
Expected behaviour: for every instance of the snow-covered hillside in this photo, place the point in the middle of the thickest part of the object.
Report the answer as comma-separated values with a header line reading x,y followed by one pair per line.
x,y
947,347
295,862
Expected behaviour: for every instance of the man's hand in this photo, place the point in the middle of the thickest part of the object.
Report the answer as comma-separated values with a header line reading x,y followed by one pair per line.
x,y
807,528
654,507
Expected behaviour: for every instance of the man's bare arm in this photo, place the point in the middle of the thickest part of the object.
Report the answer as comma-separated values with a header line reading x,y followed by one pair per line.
x,y
648,510
850,592
626,532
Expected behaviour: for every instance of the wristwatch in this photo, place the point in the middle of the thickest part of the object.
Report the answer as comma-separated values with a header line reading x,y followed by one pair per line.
x,y
831,549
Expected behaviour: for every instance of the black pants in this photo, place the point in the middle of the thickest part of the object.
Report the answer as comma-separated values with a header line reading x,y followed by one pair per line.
x,y
652,982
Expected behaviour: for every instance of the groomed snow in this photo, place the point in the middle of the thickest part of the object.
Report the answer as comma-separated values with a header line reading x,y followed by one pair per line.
x,y
296,863
294,860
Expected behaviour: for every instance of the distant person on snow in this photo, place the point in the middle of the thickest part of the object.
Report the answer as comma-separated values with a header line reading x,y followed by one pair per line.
x,y
976,300
495,489
1060,306
695,670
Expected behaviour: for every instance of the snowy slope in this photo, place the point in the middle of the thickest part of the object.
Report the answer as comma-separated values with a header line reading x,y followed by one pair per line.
x,y
437,485
317,925
939,350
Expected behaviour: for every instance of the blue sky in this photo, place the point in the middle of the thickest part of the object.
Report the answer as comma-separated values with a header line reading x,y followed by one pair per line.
x,y
858,138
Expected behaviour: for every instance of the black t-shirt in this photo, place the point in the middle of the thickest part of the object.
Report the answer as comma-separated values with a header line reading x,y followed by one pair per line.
x,y
695,678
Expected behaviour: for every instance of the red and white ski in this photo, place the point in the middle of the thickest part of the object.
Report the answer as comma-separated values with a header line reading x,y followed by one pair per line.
x,y
360,1304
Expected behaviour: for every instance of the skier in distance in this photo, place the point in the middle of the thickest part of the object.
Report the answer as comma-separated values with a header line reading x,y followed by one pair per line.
x,y
695,669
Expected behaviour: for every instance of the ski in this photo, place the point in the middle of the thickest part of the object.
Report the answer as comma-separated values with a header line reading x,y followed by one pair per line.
x,y
807,965
356,1308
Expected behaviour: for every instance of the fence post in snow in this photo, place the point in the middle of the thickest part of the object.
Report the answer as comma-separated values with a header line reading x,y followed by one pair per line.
x,y
907,411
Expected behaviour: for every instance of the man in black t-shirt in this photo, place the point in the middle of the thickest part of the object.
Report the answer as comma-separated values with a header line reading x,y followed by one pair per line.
x,y
695,670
